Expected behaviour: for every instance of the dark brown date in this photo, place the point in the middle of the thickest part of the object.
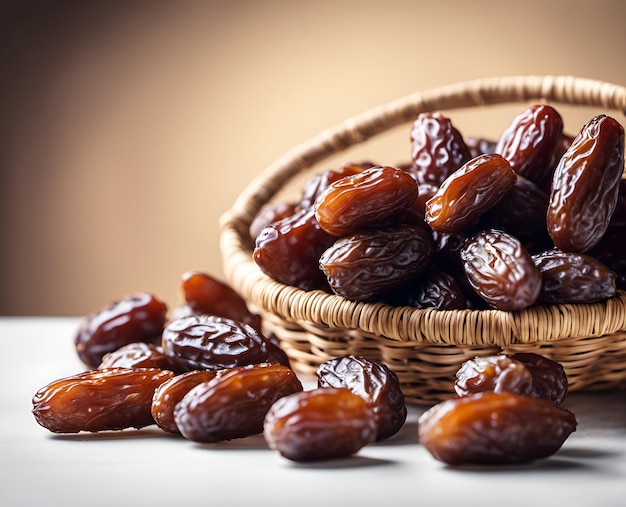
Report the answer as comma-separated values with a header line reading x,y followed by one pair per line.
x,y
268,214
365,200
469,192
138,317
206,294
209,342
234,403
585,185
171,392
570,277
99,400
494,428
323,423
315,185
501,270
374,382
436,289
365,265
497,373
289,250
138,355
549,377
530,140
437,148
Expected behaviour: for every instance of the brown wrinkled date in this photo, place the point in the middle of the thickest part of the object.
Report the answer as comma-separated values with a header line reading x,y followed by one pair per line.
x,y
365,200
99,400
318,424
494,428
211,342
138,317
469,192
368,264
372,381
585,185
234,403
501,270
138,355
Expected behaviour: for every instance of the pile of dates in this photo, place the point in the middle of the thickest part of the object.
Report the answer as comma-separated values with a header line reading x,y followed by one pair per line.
x,y
507,411
537,216
208,373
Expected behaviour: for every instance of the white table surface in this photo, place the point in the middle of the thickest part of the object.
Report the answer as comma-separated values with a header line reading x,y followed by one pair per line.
x,y
150,467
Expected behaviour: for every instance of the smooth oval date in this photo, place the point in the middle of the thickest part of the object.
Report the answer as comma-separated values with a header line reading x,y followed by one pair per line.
x,y
209,342
206,294
469,192
234,403
437,148
570,277
365,265
319,424
501,270
585,185
299,239
494,428
530,140
171,392
316,185
374,382
497,373
365,200
138,317
99,400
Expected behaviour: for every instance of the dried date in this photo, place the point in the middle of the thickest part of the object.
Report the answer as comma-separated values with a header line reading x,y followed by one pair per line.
x,y
494,428
209,342
323,423
549,377
138,317
99,400
315,185
366,265
268,214
469,192
497,373
585,185
234,403
501,270
138,355
374,382
365,200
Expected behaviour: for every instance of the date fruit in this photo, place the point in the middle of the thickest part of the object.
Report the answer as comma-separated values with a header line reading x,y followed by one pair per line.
x,y
499,373
138,355
234,403
138,317
365,200
209,342
374,382
501,270
549,377
365,265
469,192
494,428
585,185
323,423
99,400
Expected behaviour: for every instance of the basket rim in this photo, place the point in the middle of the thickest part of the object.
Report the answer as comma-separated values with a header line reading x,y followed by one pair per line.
x,y
470,327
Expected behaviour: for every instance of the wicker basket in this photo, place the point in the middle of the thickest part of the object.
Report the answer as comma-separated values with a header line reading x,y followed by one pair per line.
x,y
425,347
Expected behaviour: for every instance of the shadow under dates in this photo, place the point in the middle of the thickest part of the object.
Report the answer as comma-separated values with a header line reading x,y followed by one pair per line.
x,y
350,462
122,435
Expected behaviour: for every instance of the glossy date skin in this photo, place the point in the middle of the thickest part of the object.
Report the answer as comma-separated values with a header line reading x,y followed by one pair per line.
x,y
549,377
320,424
366,265
437,149
585,186
234,403
494,428
501,270
138,317
318,183
300,239
138,355
209,342
99,400
469,192
374,382
365,200
570,277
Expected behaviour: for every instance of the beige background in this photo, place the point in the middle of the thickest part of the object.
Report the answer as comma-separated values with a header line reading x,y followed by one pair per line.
x,y
128,127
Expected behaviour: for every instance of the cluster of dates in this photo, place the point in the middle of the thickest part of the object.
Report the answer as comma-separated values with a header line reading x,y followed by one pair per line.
x,y
507,411
209,374
536,217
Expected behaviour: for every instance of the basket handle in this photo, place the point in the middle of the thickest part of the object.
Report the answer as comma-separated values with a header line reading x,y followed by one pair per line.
x,y
357,129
